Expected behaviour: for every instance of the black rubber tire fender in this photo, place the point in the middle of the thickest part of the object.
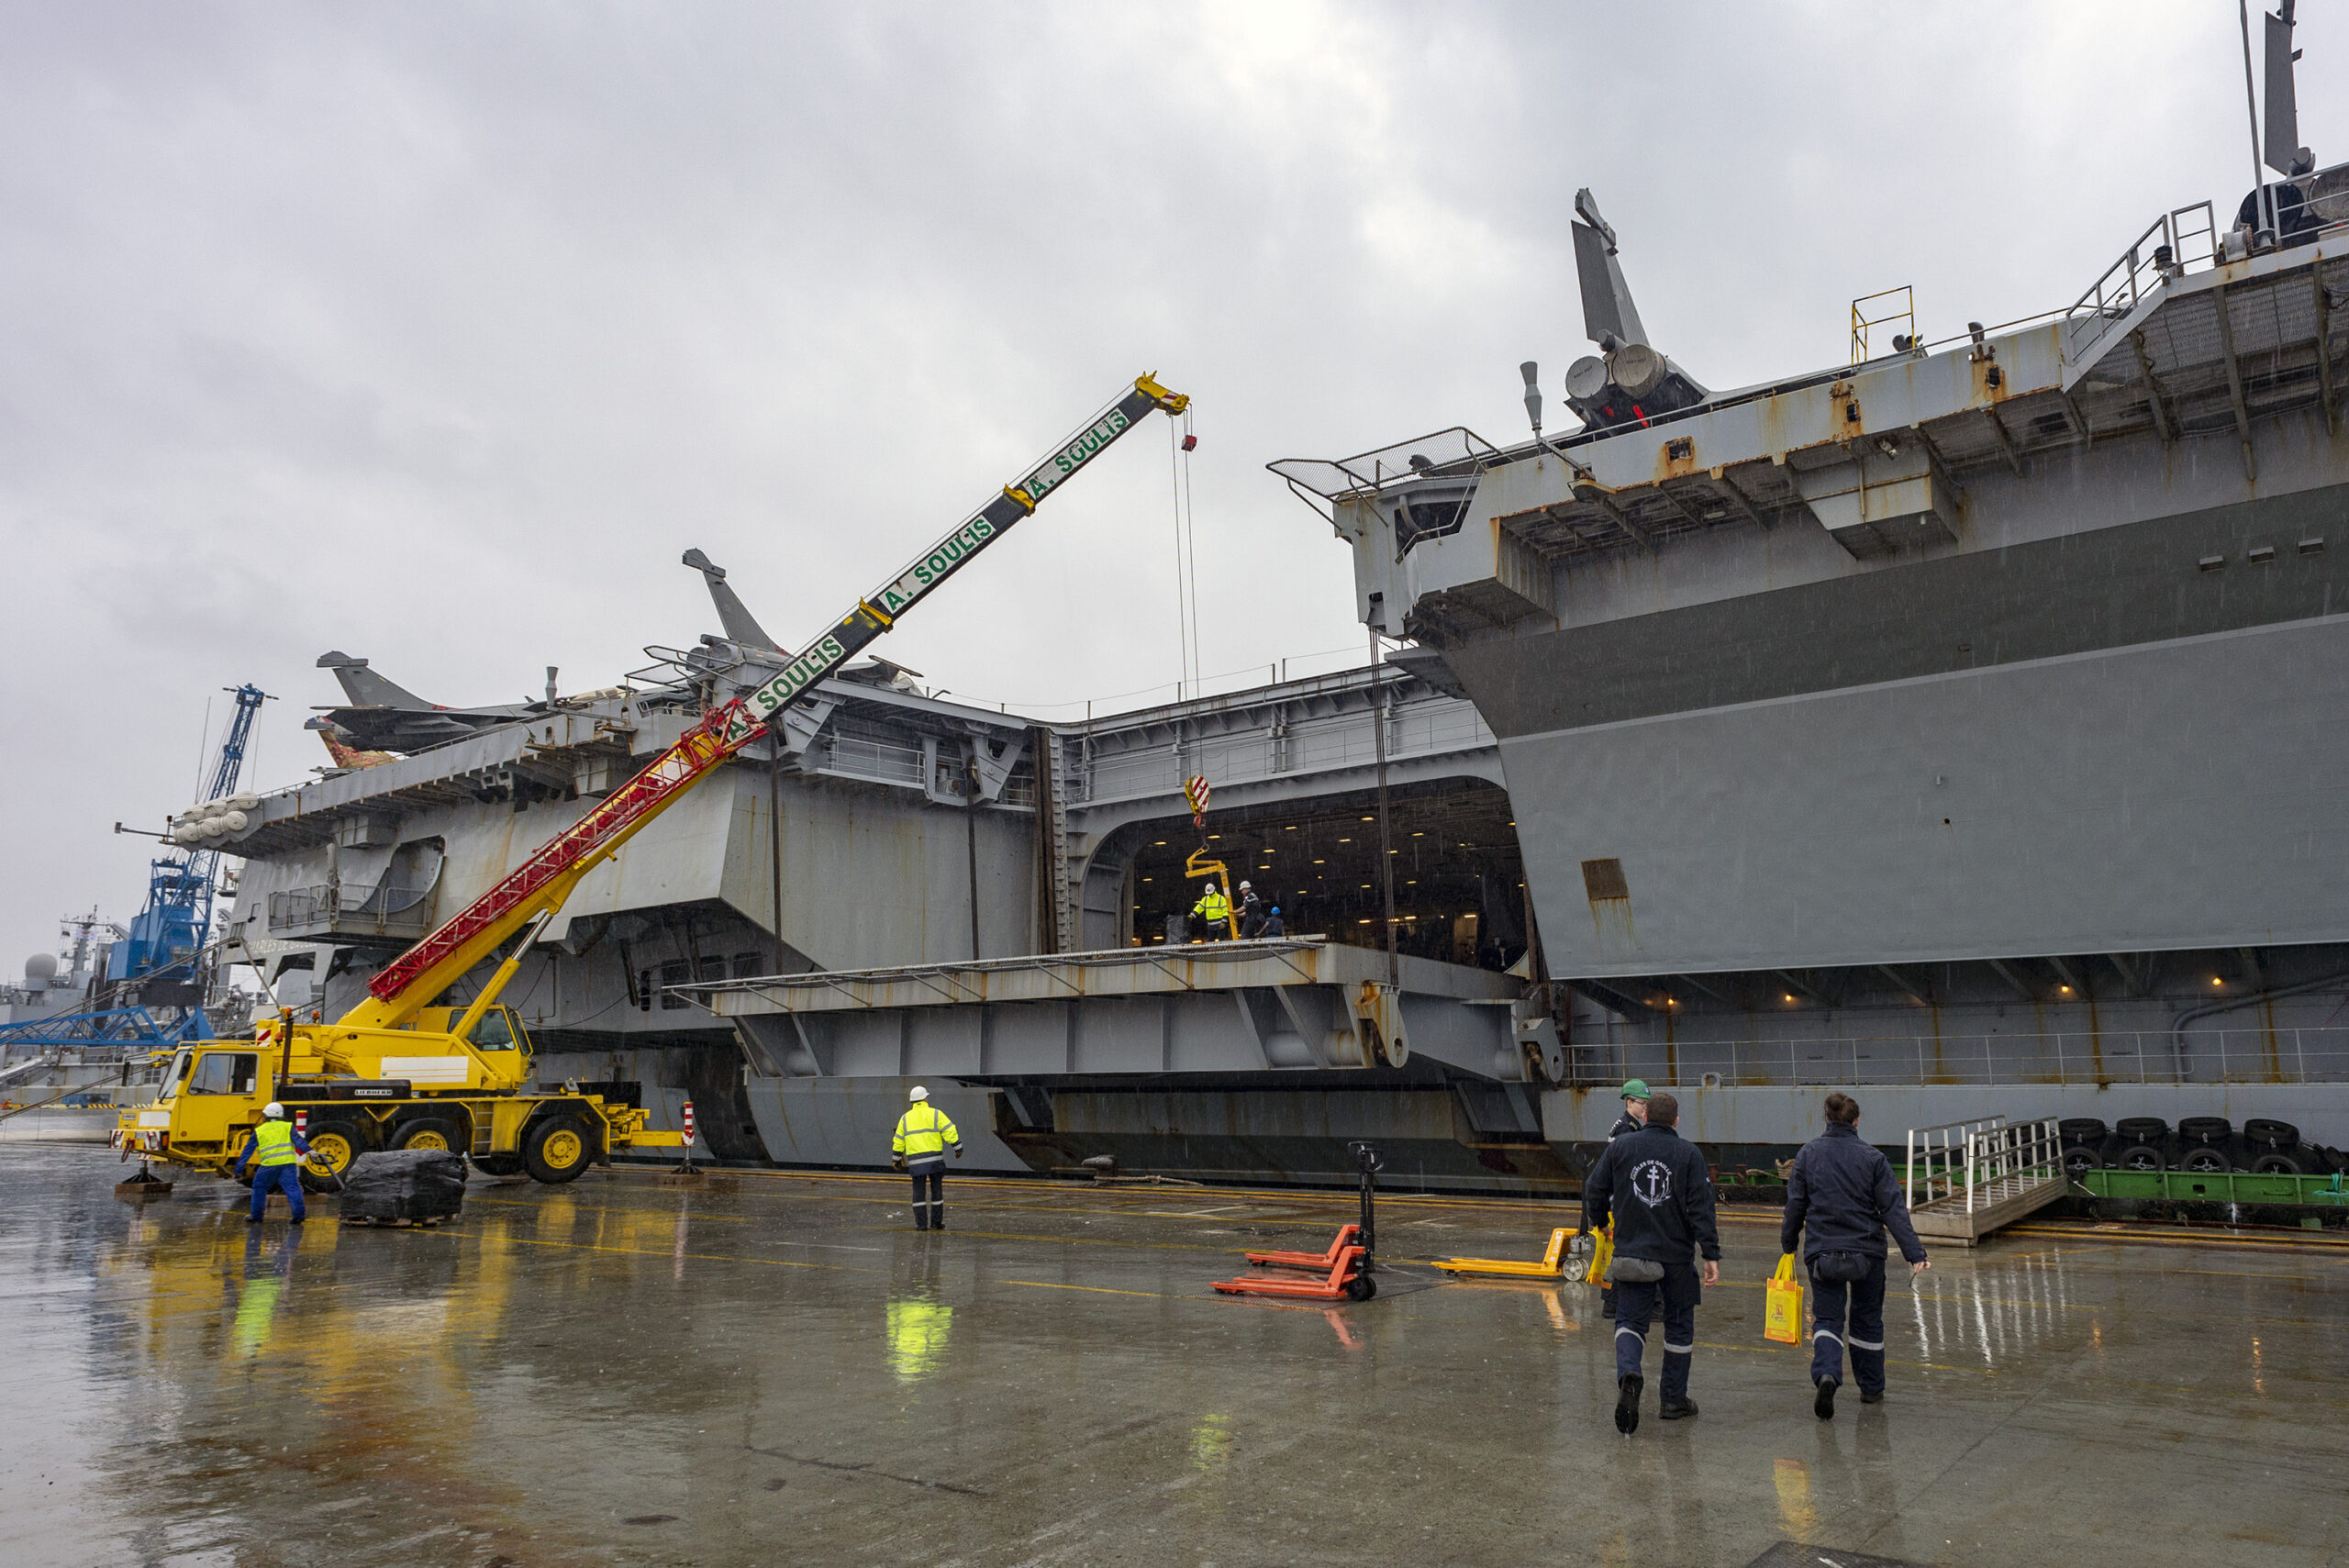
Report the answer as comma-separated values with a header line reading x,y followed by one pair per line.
x,y
433,1131
2079,1158
548,1129
2139,1157
2205,1159
2205,1128
2142,1129
2082,1130
2281,1163
2275,1134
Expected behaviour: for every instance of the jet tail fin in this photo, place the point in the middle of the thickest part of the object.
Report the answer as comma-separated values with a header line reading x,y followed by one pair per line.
x,y
740,625
367,689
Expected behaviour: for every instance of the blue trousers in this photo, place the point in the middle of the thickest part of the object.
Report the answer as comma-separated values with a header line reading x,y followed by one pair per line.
x,y
273,1177
1678,1292
1849,1312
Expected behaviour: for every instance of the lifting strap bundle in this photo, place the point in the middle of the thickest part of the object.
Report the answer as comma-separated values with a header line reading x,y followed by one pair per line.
x,y
1783,1322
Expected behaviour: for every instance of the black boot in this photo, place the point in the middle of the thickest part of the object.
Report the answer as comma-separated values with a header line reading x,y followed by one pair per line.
x,y
1678,1410
1871,1397
1823,1404
1627,1403
937,1218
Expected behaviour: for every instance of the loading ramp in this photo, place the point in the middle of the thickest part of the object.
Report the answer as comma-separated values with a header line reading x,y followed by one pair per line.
x,y
1300,1004
1962,1180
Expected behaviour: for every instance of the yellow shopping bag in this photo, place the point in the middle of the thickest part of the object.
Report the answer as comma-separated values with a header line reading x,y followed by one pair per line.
x,y
1784,1320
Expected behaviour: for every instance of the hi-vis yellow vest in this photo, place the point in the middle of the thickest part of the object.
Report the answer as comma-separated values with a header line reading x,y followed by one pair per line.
x,y
923,1133
273,1143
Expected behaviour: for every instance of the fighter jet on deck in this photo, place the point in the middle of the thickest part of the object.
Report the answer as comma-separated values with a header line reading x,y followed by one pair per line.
x,y
384,716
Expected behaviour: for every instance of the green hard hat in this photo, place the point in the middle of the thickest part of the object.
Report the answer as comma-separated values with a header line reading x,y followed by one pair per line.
x,y
1637,1089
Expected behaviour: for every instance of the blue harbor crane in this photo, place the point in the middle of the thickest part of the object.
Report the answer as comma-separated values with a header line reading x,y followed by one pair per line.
x,y
162,955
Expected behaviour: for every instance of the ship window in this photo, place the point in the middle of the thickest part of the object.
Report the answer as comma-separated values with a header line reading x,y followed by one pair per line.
x,y
224,1073
712,969
676,971
1427,519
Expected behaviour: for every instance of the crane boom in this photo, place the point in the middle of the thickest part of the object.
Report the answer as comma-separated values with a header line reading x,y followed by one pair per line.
x,y
541,883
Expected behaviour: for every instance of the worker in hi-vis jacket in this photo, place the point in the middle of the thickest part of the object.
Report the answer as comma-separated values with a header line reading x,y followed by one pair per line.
x,y
924,1135
280,1151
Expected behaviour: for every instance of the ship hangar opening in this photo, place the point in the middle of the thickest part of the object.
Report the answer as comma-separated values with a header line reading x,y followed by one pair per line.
x,y
1459,878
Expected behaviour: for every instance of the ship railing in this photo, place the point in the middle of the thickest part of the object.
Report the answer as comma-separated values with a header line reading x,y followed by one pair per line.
x,y
2191,1056
2171,244
386,909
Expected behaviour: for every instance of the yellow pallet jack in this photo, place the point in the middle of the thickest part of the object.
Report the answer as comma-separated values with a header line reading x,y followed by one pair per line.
x,y
1570,1256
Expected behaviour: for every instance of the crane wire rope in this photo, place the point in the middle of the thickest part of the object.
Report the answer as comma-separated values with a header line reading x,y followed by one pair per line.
x,y
1186,559
1182,600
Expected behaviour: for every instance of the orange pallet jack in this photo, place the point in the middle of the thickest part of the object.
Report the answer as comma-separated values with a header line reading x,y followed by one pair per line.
x,y
1343,1271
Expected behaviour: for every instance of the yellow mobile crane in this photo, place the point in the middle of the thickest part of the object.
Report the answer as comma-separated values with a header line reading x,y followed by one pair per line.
x,y
397,1073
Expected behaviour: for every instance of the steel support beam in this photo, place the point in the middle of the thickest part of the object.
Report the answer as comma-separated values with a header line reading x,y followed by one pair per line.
x,y
2165,421
1622,519
2006,442
1736,498
1907,988
1801,988
2325,349
2071,976
2007,972
2235,382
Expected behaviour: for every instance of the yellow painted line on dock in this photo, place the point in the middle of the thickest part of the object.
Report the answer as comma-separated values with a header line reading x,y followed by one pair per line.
x,y
1096,1289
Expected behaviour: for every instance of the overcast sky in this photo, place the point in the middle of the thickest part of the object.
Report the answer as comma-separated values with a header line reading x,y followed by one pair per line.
x,y
435,333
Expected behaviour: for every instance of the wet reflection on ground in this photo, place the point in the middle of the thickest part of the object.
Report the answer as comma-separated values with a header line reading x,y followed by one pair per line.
x,y
779,1369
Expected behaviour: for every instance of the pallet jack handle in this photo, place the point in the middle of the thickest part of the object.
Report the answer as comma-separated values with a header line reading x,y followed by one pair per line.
x,y
1370,1163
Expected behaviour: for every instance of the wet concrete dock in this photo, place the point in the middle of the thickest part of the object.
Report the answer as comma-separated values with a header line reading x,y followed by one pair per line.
x,y
778,1370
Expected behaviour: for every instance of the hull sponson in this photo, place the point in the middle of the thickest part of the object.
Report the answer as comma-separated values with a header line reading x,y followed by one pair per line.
x,y
2173,795
2082,592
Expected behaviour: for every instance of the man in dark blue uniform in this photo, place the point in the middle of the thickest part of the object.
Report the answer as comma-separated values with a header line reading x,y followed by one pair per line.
x,y
1840,1199
1634,1117
1655,1187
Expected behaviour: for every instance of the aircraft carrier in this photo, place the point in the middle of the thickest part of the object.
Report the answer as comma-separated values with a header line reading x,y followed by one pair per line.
x,y
1956,722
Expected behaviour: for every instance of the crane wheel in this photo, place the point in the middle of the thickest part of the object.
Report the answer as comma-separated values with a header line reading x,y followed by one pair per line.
x,y
430,1133
334,1143
557,1148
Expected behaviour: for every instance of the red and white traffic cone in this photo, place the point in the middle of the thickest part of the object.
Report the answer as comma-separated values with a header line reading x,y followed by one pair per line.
x,y
686,1166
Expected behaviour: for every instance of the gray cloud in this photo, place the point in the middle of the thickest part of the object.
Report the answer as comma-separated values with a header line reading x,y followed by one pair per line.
x,y
435,333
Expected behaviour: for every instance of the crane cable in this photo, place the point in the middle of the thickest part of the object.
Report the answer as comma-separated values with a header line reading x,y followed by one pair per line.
x,y
1186,558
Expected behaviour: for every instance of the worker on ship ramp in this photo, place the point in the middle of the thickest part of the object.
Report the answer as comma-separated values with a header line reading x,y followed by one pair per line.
x,y
1215,911
924,1135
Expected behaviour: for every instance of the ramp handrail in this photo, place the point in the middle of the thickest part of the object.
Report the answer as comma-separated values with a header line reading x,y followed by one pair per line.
x,y
1967,1158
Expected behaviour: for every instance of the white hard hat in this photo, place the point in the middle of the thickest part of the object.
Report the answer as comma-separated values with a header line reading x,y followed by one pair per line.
x,y
274,1111
920,1093
1246,885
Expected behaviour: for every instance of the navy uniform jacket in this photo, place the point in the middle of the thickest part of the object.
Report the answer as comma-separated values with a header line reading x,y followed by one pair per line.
x,y
1655,1185
1625,1123
1841,1197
